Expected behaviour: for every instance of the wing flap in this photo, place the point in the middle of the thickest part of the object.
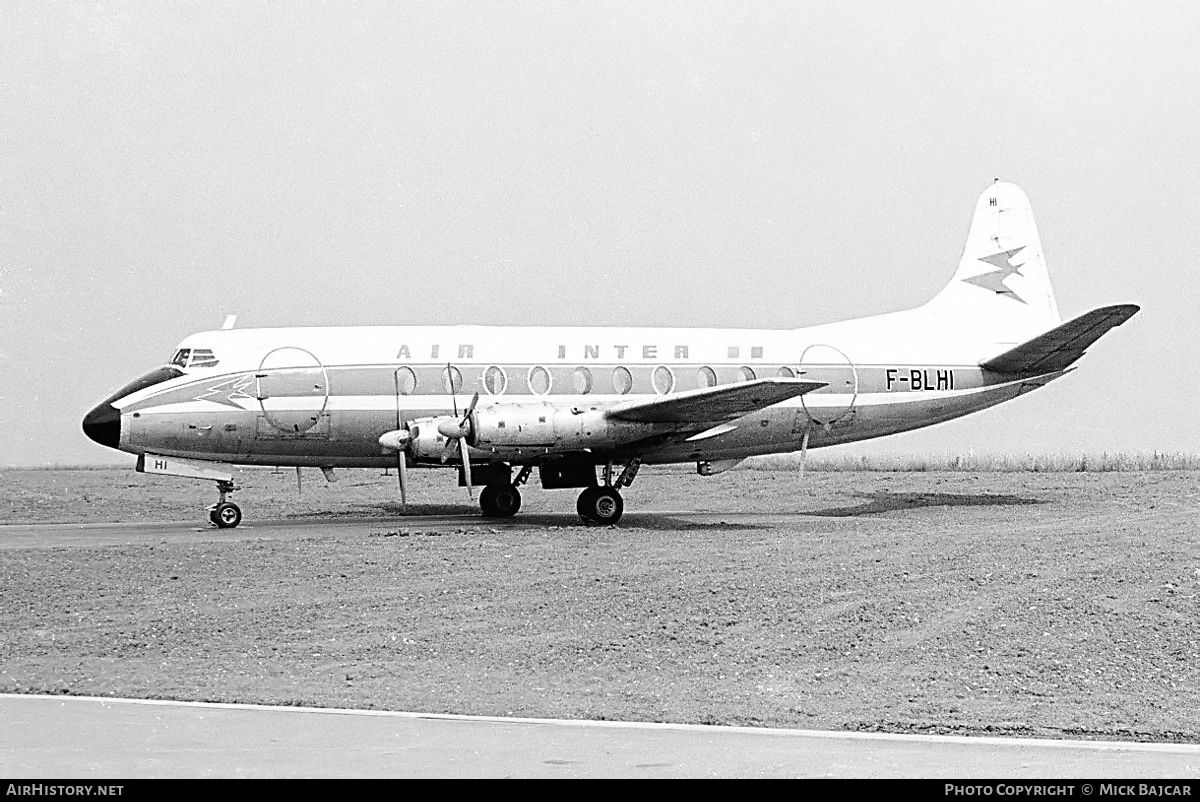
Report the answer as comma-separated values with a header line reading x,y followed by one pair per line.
x,y
713,403
1058,348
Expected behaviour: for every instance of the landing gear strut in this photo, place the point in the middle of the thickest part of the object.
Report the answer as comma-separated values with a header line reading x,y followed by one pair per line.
x,y
602,504
225,514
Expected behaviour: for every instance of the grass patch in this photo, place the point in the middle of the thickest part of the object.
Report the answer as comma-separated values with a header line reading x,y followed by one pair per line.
x,y
986,463
69,466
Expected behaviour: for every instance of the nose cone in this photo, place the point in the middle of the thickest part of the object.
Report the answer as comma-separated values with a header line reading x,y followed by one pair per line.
x,y
103,424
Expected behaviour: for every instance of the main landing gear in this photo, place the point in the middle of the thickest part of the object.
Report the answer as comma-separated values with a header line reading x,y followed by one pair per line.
x,y
598,504
225,514
602,504
502,500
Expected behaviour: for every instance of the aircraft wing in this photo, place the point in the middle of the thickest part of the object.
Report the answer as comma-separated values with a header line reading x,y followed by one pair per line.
x,y
712,404
1058,348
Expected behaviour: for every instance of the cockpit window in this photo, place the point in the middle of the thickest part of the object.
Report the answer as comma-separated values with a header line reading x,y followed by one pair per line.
x,y
194,358
202,358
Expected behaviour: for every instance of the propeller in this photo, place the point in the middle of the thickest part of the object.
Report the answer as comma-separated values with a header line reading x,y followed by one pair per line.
x,y
452,428
455,429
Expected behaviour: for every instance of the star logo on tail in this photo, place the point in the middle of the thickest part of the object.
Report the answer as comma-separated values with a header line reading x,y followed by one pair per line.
x,y
228,392
994,280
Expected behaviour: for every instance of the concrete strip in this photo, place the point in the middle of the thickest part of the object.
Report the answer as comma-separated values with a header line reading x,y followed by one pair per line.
x,y
97,738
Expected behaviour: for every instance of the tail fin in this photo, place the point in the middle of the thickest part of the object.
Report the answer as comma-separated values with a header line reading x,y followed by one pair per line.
x,y
1002,288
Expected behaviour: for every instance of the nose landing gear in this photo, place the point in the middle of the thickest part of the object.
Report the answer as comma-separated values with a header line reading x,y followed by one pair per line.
x,y
225,514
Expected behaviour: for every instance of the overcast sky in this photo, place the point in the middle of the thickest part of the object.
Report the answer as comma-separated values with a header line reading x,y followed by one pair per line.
x,y
680,164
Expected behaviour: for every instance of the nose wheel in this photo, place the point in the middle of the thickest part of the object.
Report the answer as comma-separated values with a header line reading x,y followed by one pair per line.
x,y
225,514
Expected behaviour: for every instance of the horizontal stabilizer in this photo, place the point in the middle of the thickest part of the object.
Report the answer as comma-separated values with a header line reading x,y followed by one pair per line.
x,y
713,403
1058,348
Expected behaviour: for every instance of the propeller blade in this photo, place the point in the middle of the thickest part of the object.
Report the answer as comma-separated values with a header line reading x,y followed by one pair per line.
x,y
470,409
458,429
804,450
462,441
401,469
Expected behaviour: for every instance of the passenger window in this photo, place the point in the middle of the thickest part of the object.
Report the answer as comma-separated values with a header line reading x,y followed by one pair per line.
x,y
451,379
495,380
622,380
582,379
539,380
664,380
406,381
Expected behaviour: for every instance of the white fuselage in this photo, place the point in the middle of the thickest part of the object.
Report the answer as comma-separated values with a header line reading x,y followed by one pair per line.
x,y
323,396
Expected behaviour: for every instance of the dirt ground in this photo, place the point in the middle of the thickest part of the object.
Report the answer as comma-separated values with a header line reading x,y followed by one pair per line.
x,y
1034,604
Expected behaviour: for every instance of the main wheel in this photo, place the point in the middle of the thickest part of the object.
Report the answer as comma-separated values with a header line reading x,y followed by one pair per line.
x,y
600,505
500,501
225,515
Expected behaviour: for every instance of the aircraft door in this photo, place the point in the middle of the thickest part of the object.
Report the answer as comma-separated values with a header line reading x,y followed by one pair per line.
x,y
833,404
292,388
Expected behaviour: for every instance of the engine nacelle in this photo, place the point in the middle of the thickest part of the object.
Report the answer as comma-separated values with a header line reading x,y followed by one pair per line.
x,y
425,442
547,429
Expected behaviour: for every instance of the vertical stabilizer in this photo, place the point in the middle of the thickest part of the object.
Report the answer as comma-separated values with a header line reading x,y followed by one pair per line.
x,y
1001,291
